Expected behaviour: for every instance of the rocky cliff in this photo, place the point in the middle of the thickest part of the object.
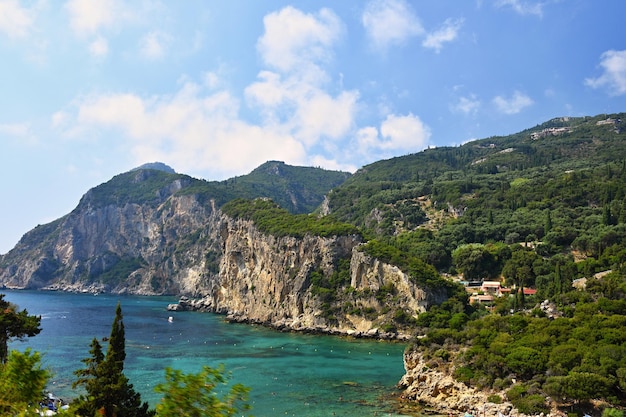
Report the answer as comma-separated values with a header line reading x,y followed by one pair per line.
x,y
156,237
267,280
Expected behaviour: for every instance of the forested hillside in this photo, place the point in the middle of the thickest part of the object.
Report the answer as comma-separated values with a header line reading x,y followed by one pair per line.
x,y
544,210
559,188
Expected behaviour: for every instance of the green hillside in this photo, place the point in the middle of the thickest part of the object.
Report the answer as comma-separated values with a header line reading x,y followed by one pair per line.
x,y
564,191
541,210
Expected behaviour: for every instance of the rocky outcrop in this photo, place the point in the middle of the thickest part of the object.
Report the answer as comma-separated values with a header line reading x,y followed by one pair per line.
x,y
433,386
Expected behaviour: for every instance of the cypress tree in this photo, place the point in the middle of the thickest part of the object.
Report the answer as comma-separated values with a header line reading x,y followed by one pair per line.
x,y
116,354
109,392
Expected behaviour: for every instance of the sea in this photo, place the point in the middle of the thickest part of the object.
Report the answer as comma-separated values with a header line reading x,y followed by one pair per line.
x,y
289,374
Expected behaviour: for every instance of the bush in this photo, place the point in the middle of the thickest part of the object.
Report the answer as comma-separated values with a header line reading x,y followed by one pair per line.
x,y
496,399
612,412
531,404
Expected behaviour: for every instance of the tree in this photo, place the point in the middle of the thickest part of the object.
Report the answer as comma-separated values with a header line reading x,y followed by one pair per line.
x,y
578,386
15,324
193,395
109,392
475,261
22,382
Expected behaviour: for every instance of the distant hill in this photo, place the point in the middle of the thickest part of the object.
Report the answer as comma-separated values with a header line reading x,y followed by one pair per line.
x,y
159,166
297,189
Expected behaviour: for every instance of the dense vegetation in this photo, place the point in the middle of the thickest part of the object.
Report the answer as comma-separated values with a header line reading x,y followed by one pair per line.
x,y
466,209
577,355
270,218
15,324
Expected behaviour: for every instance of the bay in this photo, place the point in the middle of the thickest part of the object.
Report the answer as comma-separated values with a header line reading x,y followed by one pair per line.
x,y
289,374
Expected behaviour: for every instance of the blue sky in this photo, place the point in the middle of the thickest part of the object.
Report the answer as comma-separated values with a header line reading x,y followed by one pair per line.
x,y
93,88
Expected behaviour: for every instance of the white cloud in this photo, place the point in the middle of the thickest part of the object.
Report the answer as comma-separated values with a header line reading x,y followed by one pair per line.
x,y
88,17
321,115
447,33
467,105
513,105
404,133
397,134
390,22
293,98
99,47
613,77
294,39
199,129
212,80
15,20
303,108
154,44
20,131
15,129
192,130
366,139
522,7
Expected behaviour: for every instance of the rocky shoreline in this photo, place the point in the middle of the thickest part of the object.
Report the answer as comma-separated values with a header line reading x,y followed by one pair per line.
x,y
436,390
285,324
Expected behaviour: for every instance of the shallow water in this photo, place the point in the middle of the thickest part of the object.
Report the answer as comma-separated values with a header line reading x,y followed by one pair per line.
x,y
289,374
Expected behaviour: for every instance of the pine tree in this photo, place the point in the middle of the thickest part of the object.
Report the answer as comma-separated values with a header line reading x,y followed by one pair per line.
x,y
109,392
15,324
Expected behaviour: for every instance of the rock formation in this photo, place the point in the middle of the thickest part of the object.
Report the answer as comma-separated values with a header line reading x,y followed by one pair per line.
x,y
435,388
160,239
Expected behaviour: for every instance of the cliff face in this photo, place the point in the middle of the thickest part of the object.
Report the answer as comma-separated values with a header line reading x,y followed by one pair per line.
x,y
267,280
130,248
181,244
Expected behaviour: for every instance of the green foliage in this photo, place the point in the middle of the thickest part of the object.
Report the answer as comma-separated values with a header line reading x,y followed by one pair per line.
x,y
195,395
22,382
299,190
420,272
612,412
576,358
108,391
533,404
579,386
15,324
476,262
276,221
561,190
121,268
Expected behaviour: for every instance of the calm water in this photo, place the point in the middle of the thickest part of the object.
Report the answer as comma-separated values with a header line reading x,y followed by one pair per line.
x,y
289,374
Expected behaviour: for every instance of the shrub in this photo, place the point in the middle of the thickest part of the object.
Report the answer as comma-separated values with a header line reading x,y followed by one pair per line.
x,y
496,399
531,404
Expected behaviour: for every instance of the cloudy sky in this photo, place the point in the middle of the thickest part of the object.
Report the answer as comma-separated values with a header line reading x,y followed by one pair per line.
x,y
93,88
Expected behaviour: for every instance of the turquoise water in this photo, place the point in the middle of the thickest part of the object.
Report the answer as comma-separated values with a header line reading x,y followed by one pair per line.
x,y
289,374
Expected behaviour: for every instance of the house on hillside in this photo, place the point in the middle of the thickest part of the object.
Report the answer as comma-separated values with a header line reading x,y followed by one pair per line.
x,y
491,287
